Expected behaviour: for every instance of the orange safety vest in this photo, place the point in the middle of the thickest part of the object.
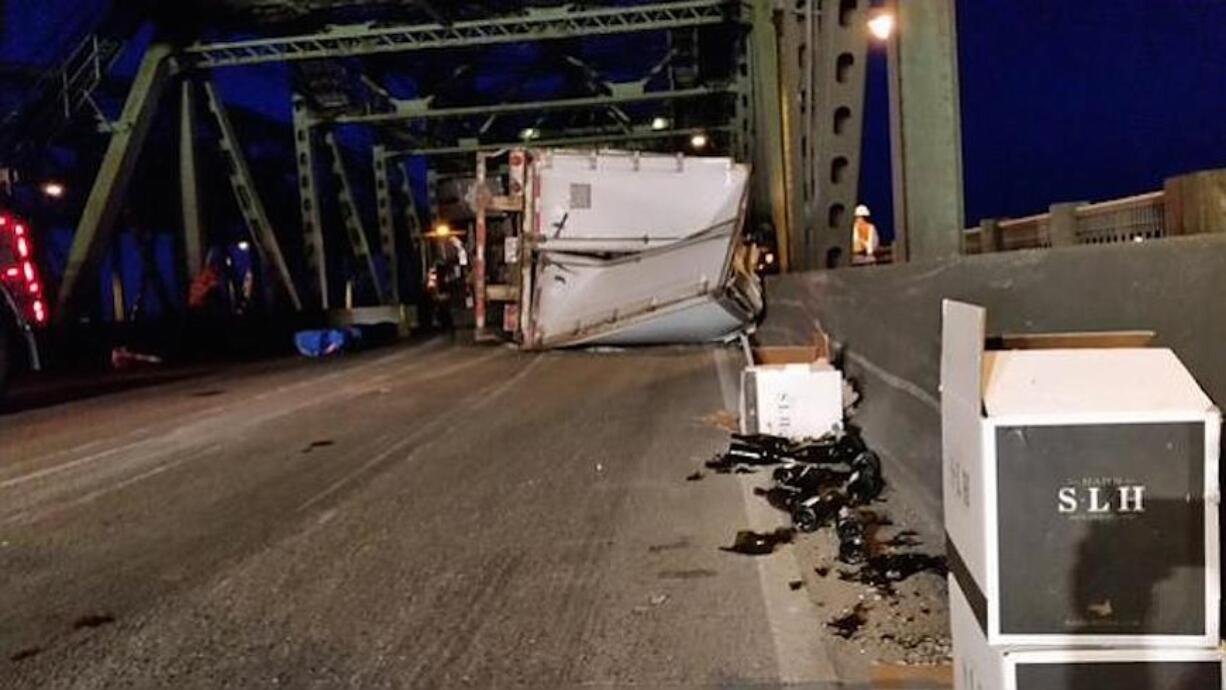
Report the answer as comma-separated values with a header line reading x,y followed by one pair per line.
x,y
863,237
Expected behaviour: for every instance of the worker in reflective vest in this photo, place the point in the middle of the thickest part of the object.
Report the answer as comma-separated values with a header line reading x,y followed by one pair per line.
x,y
864,240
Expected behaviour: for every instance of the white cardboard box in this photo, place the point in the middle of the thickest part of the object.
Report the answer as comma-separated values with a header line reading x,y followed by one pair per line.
x,y
1081,491
979,666
795,401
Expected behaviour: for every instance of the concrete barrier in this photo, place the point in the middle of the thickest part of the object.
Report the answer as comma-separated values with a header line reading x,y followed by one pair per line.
x,y
888,320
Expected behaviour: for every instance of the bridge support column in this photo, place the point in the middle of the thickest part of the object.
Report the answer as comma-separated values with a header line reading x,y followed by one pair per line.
x,y
925,115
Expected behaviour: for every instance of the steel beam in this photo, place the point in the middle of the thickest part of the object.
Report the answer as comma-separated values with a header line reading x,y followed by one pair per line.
x,y
535,25
352,218
791,47
313,248
193,225
636,135
249,203
387,223
111,185
743,113
412,219
410,110
479,296
927,130
768,110
838,127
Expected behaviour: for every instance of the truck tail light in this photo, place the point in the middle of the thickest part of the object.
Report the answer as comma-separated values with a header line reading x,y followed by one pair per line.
x,y
17,269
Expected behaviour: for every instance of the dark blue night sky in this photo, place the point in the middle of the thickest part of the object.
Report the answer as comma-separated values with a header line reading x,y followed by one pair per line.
x,y
1061,100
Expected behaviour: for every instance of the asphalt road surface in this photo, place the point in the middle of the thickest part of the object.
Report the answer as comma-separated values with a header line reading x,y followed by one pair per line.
x,y
426,516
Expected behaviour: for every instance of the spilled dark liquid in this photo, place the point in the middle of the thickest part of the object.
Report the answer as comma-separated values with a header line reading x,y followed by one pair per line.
x,y
318,444
92,621
886,570
759,544
25,654
847,626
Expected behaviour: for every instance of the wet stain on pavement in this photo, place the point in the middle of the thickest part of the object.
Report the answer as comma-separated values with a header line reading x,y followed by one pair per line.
x,y
887,570
208,394
692,574
325,443
682,543
751,543
24,654
847,626
696,477
93,620
904,539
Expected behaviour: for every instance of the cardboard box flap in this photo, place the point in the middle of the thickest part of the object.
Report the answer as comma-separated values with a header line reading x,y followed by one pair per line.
x,y
962,337
793,354
1070,341
1090,381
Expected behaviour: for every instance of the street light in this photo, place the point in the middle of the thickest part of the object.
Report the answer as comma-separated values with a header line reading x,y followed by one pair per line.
x,y
881,26
530,133
55,190
660,124
699,141
244,246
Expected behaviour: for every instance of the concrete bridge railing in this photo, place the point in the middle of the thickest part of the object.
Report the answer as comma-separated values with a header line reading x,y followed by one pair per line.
x,y
1187,205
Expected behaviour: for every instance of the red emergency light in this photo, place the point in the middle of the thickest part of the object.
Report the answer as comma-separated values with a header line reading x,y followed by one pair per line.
x,y
18,271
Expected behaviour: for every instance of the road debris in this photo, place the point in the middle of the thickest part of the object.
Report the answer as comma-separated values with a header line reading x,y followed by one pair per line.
x,y
890,594
847,625
886,570
328,342
695,477
723,419
758,544
853,549
123,358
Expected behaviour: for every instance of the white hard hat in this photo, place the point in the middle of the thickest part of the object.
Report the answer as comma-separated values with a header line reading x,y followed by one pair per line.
x,y
862,211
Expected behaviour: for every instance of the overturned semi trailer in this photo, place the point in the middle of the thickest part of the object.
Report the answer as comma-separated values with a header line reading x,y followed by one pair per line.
x,y
625,248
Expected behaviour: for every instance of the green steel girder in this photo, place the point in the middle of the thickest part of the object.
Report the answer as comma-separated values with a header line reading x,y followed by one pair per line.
x,y
107,195
926,130
636,134
387,224
313,249
252,208
838,134
536,25
352,217
414,110
769,164
193,218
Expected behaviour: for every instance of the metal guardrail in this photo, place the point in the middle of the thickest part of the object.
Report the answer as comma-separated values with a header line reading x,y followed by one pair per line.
x,y
59,94
1136,218
1131,219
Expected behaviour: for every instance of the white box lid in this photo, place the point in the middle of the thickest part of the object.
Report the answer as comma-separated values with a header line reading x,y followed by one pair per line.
x,y
1089,381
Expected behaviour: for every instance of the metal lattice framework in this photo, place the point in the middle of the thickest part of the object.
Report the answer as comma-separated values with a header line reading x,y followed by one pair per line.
x,y
610,137
407,113
534,26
